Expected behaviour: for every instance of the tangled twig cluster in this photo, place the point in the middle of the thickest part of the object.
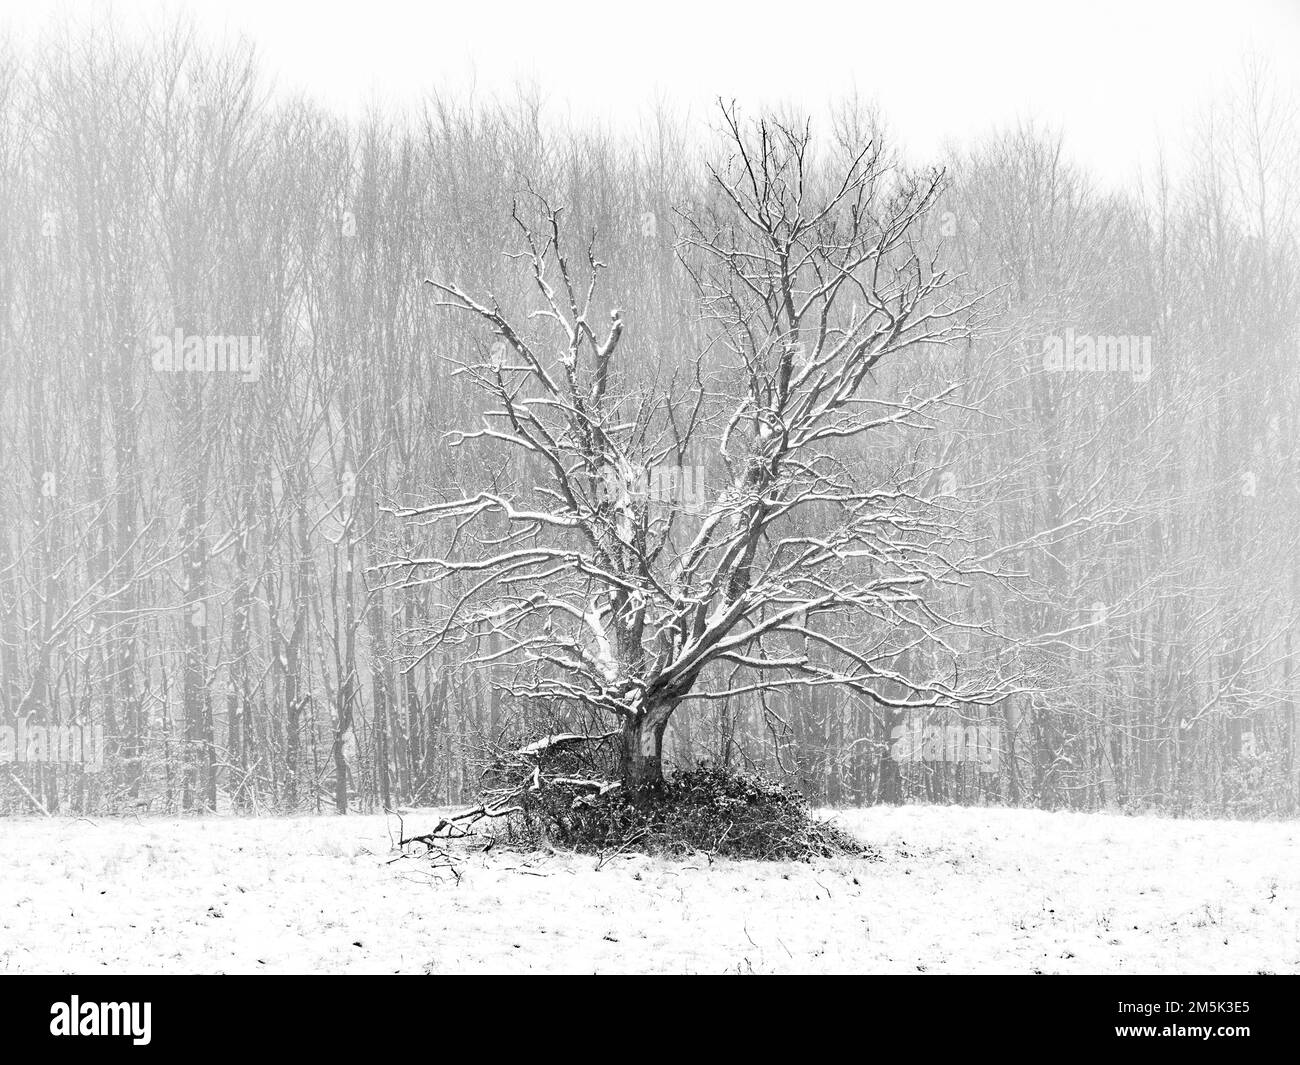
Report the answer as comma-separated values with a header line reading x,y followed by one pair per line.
x,y
561,791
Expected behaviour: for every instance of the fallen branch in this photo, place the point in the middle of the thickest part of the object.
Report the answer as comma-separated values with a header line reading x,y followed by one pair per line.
x,y
32,798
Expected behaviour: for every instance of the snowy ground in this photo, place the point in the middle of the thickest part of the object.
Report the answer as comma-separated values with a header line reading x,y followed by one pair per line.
x,y
959,890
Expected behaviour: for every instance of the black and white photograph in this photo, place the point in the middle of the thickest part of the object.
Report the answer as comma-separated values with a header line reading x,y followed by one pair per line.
x,y
683,489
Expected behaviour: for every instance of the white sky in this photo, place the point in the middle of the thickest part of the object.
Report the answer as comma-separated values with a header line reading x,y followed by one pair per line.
x,y
1120,77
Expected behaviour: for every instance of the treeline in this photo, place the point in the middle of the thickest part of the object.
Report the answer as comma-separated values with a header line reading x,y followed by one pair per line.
x,y
220,376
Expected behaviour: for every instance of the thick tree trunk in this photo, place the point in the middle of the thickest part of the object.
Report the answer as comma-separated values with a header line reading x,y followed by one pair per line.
x,y
643,741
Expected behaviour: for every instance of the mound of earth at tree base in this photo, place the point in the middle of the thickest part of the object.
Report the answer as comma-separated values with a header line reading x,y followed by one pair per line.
x,y
707,809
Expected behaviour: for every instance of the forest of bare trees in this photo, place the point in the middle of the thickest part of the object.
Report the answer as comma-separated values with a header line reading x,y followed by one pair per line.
x,y
233,419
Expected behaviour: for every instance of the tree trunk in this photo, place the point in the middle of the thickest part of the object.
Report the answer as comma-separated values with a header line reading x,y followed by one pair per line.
x,y
643,742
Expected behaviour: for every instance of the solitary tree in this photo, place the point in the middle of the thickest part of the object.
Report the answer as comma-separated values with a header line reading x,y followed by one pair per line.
x,y
727,532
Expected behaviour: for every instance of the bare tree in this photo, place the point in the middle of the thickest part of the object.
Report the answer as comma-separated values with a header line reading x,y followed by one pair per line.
x,y
599,586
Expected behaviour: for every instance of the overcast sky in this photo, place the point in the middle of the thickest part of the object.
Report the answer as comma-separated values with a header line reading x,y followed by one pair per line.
x,y
1118,76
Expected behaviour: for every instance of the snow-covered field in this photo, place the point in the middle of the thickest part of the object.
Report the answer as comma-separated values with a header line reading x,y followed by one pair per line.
x,y
959,890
